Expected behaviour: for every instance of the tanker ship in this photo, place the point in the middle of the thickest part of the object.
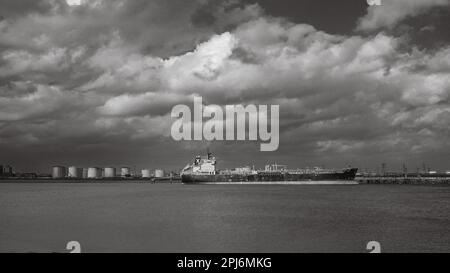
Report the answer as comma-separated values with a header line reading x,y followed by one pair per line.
x,y
204,171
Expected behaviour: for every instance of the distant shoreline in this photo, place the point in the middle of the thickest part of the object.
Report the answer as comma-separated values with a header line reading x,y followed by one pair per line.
x,y
89,181
357,181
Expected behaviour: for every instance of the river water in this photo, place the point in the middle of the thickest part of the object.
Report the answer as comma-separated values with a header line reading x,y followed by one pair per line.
x,y
137,217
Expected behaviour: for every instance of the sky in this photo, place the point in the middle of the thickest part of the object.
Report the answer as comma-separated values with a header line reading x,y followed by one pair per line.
x,y
93,82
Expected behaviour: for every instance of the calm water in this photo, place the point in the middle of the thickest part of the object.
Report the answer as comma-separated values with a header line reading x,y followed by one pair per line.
x,y
223,218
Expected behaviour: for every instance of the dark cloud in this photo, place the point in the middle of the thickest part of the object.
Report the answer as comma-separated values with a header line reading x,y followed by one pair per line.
x,y
336,17
391,12
13,9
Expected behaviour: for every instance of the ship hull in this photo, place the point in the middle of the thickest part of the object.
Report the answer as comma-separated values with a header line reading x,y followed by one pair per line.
x,y
342,177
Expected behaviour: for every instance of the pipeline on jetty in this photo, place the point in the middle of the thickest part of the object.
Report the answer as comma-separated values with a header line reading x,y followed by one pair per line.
x,y
404,180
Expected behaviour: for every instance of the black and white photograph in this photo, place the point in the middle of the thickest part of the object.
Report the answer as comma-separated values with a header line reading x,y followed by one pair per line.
x,y
224,126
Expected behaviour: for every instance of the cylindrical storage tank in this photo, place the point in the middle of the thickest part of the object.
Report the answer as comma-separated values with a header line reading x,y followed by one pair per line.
x,y
75,172
125,172
58,172
85,172
72,172
146,173
110,172
8,170
159,173
94,172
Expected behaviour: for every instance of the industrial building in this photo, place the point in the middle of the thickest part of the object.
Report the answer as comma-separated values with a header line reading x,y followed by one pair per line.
x,y
6,170
125,172
275,167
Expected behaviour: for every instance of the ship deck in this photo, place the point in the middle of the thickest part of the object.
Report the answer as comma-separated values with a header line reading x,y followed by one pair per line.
x,y
311,183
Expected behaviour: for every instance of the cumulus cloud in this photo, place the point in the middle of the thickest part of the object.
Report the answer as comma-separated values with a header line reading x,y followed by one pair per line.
x,y
391,12
44,102
155,104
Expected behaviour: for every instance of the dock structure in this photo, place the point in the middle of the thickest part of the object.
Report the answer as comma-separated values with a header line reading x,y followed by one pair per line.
x,y
405,180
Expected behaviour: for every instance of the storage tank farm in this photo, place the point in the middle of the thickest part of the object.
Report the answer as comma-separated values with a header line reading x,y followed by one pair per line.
x,y
72,172
58,172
